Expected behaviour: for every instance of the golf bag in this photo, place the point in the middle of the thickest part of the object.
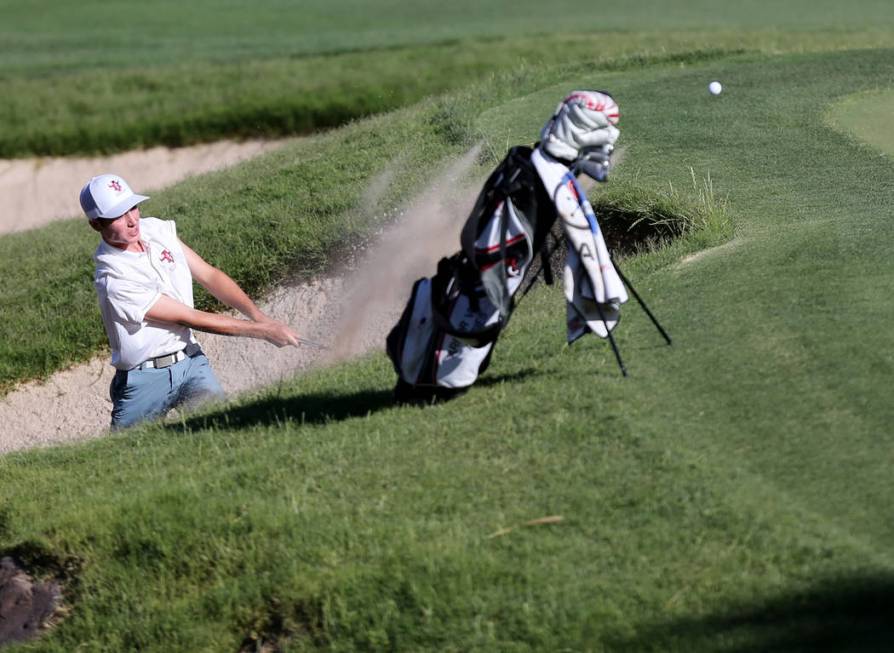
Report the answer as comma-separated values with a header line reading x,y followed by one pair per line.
x,y
445,337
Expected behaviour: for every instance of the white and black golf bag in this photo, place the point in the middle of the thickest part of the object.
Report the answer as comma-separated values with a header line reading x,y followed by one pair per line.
x,y
445,337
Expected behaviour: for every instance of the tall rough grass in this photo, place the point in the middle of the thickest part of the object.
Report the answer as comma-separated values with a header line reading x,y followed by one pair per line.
x,y
635,217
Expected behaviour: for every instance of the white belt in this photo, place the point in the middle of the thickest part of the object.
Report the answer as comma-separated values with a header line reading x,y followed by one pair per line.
x,y
162,361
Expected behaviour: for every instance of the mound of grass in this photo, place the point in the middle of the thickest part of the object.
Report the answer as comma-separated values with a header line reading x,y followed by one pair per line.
x,y
635,218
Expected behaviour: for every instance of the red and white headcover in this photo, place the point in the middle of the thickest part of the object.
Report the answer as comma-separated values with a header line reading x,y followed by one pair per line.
x,y
583,119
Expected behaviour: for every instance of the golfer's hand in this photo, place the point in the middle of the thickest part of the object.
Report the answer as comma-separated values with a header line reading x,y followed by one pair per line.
x,y
279,334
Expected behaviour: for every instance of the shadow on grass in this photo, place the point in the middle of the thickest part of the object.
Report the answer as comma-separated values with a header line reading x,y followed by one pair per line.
x,y
854,615
314,408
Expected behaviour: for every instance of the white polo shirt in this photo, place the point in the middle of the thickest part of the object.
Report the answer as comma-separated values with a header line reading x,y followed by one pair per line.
x,y
129,283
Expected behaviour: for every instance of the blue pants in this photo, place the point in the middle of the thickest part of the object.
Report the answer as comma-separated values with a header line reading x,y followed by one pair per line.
x,y
139,395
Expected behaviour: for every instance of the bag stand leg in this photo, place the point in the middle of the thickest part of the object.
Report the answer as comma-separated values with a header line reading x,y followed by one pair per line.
x,y
639,299
611,340
642,303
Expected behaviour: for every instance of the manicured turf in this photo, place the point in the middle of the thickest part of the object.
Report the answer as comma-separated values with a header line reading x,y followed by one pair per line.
x,y
118,33
733,494
108,76
868,116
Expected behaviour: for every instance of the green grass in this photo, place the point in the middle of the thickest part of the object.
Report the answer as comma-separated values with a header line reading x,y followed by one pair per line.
x,y
365,531
867,116
733,494
116,75
118,33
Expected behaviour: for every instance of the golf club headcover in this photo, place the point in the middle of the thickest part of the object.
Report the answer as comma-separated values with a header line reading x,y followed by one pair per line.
x,y
595,162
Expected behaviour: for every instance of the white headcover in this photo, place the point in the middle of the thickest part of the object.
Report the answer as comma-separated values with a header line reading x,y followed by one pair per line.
x,y
583,119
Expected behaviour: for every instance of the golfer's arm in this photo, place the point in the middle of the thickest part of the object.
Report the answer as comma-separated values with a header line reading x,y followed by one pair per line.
x,y
167,309
221,285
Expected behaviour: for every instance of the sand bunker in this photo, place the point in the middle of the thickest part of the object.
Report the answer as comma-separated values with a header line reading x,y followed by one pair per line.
x,y
38,191
350,310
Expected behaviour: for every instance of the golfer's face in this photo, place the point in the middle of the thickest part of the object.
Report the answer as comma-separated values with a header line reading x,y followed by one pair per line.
x,y
124,230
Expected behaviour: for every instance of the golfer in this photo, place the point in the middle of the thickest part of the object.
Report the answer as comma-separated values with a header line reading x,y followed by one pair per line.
x,y
143,280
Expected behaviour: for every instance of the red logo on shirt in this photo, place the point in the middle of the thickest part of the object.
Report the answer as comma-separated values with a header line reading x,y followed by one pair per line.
x,y
115,185
167,257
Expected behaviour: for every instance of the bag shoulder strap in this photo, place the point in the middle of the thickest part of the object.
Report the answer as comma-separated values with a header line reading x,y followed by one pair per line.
x,y
514,176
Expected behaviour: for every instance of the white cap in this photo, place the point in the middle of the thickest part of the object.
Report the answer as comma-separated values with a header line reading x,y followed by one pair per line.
x,y
108,196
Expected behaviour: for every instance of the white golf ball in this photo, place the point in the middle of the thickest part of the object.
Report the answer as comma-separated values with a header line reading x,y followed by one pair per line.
x,y
714,88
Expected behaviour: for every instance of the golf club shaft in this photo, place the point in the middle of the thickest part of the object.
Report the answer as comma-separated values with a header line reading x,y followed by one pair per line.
x,y
311,343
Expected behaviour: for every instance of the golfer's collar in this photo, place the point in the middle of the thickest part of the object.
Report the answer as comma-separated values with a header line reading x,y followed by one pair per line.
x,y
106,248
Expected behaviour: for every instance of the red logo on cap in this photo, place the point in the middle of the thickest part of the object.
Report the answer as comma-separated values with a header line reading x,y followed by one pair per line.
x,y
115,184
167,257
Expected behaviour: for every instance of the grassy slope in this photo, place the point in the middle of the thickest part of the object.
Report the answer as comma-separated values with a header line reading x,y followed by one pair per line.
x,y
731,495
87,81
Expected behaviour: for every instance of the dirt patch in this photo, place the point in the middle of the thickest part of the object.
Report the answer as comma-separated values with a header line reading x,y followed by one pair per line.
x,y
350,310
26,606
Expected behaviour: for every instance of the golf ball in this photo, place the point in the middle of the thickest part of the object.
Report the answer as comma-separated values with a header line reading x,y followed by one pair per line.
x,y
714,88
